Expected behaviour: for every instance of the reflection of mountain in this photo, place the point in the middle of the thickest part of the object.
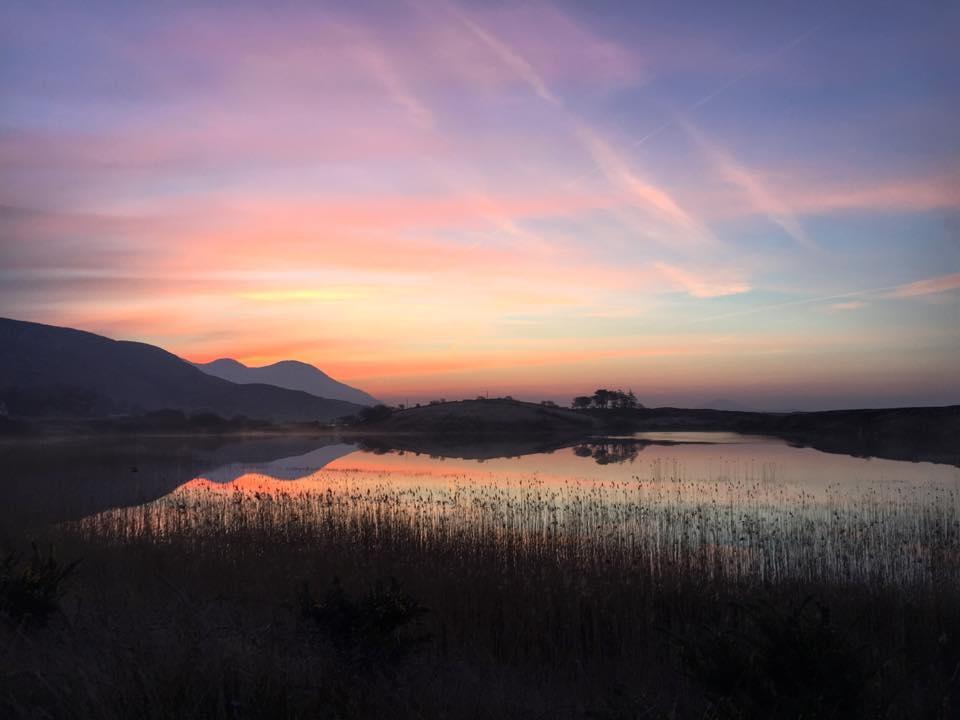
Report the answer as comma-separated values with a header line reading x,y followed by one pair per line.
x,y
286,468
69,480
48,371
289,374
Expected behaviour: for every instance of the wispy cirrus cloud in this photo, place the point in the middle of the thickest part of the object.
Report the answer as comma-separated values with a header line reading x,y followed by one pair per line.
x,y
913,194
708,284
763,199
836,195
929,286
905,291
395,85
849,305
517,64
681,226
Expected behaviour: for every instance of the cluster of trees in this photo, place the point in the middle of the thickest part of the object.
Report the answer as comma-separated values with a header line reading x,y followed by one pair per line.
x,y
607,399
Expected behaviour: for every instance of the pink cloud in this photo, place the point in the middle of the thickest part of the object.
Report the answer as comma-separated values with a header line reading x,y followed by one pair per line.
x,y
822,196
702,284
910,194
930,286
211,140
676,223
763,199
850,305
308,53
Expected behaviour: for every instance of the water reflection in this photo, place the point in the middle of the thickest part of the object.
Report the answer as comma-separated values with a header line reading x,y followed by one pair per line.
x,y
738,504
741,507
712,438
48,481
609,451
286,468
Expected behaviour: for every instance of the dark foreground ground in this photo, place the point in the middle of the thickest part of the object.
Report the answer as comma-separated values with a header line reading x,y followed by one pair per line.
x,y
364,615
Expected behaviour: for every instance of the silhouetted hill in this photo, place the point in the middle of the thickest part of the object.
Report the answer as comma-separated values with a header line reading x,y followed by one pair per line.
x,y
487,418
289,374
48,371
724,404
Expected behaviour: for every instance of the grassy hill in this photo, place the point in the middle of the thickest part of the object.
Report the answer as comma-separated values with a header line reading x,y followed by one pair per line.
x,y
485,418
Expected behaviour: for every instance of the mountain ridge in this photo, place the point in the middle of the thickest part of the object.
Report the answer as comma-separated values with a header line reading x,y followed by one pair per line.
x,y
289,374
50,371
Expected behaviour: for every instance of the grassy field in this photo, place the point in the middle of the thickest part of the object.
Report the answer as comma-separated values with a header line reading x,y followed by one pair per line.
x,y
370,600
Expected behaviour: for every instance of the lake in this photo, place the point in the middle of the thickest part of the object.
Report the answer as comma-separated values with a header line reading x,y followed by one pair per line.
x,y
727,504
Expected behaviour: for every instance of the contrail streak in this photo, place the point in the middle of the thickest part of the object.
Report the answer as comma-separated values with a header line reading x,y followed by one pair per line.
x,y
792,303
637,142
917,288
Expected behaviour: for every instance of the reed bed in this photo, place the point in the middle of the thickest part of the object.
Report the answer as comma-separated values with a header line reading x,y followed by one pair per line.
x,y
740,530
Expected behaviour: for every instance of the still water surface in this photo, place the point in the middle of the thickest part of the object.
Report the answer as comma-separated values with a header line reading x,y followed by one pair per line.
x,y
726,503
66,480
689,457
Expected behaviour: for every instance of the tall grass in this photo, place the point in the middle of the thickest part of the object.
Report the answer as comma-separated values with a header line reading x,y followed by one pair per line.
x,y
739,530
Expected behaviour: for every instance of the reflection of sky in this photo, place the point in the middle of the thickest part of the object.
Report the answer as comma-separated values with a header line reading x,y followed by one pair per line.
x,y
711,458
752,200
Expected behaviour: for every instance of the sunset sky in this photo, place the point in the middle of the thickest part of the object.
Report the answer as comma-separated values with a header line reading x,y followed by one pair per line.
x,y
758,202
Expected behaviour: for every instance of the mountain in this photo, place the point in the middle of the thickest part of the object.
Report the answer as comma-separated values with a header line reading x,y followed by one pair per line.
x,y
288,374
48,371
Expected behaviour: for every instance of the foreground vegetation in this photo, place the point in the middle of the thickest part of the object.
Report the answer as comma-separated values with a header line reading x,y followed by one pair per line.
x,y
364,599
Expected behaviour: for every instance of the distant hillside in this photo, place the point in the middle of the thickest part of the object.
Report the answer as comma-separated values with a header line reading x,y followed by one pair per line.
x,y
48,371
288,374
723,404
491,418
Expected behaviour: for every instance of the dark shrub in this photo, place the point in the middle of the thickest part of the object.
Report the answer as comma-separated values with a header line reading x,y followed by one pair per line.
x,y
793,663
207,421
375,413
30,590
382,624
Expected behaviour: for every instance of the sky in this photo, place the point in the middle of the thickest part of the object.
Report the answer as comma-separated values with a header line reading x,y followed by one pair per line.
x,y
757,202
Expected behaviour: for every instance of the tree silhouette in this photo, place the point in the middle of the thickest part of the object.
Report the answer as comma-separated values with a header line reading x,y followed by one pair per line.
x,y
604,399
582,402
